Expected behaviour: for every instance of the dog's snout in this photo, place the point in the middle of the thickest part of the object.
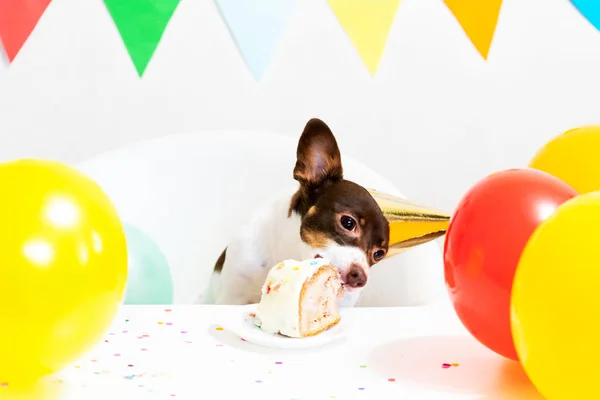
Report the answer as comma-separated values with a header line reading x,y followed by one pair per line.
x,y
356,277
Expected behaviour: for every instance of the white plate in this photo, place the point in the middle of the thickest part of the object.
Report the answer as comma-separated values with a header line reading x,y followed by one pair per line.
x,y
242,323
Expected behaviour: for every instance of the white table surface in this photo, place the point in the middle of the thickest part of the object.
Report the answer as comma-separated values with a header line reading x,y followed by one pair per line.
x,y
179,352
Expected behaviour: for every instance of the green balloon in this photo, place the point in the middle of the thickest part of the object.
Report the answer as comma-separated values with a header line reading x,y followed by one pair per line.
x,y
149,280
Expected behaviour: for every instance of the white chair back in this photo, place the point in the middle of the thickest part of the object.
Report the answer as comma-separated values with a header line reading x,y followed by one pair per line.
x,y
190,191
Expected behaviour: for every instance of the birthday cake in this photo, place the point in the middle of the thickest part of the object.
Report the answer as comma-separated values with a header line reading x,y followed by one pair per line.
x,y
300,298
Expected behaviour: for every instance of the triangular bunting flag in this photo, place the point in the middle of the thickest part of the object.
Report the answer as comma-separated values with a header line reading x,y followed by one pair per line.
x,y
478,19
141,24
18,18
256,26
367,23
590,9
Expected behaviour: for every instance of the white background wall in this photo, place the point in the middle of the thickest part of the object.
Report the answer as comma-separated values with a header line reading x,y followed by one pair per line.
x,y
434,119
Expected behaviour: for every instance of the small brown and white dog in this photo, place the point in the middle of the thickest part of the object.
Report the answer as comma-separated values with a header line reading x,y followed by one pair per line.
x,y
327,217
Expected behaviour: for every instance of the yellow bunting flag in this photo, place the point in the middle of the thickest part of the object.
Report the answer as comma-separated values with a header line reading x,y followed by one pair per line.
x,y
478,18
411,224
367,24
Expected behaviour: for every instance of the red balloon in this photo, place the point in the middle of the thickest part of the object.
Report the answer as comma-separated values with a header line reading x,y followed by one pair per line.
x,y
487,233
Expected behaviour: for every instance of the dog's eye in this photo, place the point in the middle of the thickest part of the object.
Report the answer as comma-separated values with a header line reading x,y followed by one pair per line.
x,y
348,222
378,255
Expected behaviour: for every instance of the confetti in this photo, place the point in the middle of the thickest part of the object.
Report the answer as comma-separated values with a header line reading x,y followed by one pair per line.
x,y
144,349
117,355
160,323
218,328
218,345
391,380
167,310
278,362
363,366
130,365
243,340
446,365
258,381
184,331
126,320
455,364
361,388
169,323
4,384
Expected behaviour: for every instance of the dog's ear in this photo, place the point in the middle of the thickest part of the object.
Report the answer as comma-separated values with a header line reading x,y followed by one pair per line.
x,y
318,156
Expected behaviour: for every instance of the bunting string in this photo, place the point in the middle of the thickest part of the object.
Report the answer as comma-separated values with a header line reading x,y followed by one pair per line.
x,y
257,26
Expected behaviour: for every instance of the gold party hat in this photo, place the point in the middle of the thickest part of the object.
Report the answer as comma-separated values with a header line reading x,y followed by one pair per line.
x,y
411,224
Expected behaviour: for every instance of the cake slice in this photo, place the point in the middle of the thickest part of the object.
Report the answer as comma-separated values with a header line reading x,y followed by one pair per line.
x,y
300,298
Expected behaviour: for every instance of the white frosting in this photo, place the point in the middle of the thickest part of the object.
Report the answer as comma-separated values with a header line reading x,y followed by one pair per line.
x,y
279,307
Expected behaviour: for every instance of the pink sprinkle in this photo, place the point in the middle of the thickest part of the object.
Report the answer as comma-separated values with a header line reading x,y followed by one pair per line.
x,y
93,360
124,331
446,365
169,323
183,331
243,340
140,337
4,384
167,310
140,385
117,355
219,345
278,362
144,349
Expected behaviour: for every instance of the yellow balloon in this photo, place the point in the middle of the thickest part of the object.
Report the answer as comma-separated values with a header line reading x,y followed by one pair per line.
x,y
63,267
555,302
573,158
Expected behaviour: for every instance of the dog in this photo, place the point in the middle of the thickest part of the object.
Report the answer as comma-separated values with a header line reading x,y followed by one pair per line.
x,y
327,217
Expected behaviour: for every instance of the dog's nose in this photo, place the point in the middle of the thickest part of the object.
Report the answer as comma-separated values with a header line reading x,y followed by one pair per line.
x,y
356,277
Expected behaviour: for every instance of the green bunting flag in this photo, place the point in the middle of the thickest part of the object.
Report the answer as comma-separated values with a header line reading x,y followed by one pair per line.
x,y
141,24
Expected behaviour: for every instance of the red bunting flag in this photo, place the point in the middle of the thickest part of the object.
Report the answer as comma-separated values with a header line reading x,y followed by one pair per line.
x,y
18,18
